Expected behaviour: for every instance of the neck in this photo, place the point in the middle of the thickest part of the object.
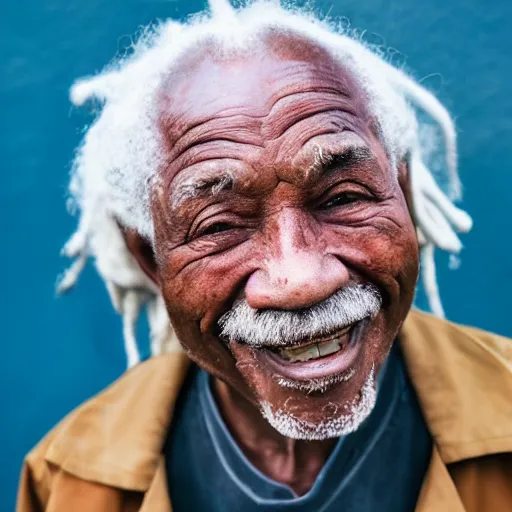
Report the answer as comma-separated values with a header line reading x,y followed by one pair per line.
x,y
293,462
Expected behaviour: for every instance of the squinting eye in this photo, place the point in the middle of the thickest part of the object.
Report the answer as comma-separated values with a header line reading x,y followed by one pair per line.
x,y
219,227
341,200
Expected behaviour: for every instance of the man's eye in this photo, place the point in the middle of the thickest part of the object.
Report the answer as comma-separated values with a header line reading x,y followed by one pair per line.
x,y
219,227
341,200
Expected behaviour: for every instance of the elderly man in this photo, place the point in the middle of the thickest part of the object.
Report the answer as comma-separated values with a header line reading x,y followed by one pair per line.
x,y
260,180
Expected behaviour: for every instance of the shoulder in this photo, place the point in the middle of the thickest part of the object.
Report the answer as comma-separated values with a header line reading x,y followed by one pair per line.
x,y
114,438
440,335
463,379
427,322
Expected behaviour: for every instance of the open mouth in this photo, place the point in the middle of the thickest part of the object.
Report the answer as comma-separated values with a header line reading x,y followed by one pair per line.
x,y
316,349
317,360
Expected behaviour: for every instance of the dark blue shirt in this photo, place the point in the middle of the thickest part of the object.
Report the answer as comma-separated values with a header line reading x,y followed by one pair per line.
x,y
380,467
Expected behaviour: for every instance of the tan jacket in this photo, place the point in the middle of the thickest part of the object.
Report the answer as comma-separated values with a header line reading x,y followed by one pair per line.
x,y
106,456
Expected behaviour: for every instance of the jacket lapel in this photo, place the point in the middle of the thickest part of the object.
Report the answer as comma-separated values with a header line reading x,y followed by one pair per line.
x,y
438,492
452,368
156,498
116,438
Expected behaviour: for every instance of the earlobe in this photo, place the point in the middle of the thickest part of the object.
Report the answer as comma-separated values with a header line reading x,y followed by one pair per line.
x,y
142,251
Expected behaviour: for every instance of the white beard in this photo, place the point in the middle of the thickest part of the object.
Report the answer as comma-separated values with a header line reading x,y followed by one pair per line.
x,y
337,424
321,385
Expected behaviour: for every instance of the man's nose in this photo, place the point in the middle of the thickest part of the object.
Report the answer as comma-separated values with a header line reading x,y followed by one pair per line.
x,y
297,273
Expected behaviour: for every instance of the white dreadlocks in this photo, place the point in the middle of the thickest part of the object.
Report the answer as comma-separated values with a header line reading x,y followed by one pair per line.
x,y
117,164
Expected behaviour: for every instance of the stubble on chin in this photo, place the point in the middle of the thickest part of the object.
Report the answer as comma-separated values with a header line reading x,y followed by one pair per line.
x,y
340,420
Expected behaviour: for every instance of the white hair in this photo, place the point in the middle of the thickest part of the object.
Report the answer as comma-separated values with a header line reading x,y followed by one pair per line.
x,y
117,164
278,328
337,421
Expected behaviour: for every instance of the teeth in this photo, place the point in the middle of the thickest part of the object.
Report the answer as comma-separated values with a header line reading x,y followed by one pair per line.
x,y
329,347
301,354
311,351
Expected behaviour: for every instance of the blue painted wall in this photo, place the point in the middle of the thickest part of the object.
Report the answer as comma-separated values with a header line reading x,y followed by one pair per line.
x,y
59,352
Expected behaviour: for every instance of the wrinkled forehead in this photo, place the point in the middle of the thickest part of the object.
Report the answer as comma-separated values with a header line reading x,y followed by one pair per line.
x,y
211,81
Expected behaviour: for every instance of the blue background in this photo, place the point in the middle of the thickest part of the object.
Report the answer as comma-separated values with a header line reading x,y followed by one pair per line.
x,y
58,352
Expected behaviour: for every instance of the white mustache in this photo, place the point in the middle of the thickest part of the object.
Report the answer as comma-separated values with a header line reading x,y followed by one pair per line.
x,y
273,327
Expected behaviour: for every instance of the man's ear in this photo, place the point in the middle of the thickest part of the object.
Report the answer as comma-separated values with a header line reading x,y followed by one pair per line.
x,y
404,180
142,251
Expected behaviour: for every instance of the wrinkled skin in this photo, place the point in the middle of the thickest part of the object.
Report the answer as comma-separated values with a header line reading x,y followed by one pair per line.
x,y
283,236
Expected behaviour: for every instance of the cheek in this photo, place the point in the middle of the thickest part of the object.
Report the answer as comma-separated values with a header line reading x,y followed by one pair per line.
x,y
383,250
200,290
196,296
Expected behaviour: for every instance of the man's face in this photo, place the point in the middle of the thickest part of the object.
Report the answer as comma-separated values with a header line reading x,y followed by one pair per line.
x,y
286,253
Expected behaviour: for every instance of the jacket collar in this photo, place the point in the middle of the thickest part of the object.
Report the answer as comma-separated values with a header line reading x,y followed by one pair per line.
x,y
117,437
463,379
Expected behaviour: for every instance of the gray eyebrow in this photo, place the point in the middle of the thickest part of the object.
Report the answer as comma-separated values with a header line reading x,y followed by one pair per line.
x,y
193,187
326,161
